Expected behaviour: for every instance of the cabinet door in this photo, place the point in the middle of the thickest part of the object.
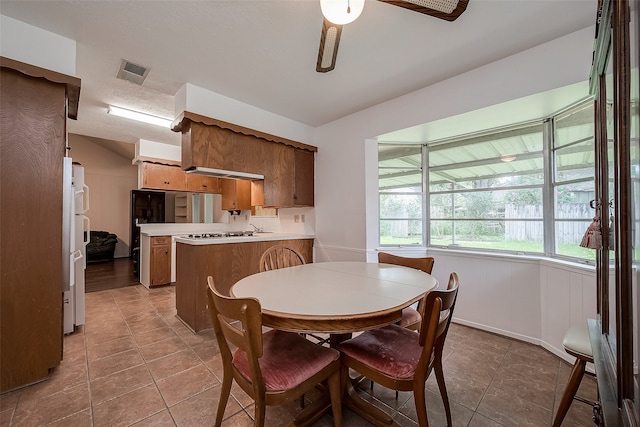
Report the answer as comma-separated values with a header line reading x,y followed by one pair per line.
x,y
236,194
163,177
201,183
160,261
278,175
303,192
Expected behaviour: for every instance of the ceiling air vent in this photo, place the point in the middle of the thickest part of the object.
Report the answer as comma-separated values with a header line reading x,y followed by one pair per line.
x,y
132,72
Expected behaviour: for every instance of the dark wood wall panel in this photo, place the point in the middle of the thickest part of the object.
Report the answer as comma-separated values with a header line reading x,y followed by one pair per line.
x,y
226,263
31,165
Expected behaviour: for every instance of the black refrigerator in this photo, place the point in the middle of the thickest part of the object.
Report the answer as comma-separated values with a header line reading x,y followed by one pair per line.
x,y
146,207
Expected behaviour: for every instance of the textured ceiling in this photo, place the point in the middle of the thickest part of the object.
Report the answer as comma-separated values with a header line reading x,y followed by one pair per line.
x,y
264,52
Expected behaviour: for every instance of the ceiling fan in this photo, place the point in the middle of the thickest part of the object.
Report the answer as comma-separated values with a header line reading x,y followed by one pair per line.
x,y
340,12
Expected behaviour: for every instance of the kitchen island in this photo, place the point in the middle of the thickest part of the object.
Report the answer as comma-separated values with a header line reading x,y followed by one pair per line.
x,y
227,260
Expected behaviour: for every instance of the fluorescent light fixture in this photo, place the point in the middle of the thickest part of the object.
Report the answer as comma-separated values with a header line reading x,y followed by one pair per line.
x,y
137,115
508,158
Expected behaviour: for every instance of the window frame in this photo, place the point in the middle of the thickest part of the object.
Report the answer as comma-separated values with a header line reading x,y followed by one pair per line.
x,y
547,187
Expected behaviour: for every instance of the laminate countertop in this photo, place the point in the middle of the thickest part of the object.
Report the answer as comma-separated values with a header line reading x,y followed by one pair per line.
x,y
256,237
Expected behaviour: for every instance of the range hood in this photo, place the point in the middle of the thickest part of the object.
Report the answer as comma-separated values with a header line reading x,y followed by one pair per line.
x,y
221,173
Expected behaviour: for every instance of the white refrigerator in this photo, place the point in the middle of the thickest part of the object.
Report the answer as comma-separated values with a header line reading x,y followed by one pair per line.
x,y
76,235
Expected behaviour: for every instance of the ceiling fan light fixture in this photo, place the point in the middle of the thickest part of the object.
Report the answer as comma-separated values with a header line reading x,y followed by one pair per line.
x,y
341,12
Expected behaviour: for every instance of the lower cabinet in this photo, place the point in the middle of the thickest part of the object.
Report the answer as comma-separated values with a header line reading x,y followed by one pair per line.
x,y
226,263
160,261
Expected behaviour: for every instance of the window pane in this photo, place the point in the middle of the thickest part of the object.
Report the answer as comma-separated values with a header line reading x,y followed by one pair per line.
x,y
574,185
400,167
574,126
568,237
504,158
515,236
400,232
575,161
400,206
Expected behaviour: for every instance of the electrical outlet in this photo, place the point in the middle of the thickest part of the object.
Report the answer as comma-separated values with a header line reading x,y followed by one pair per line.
x,y
302,218
296,218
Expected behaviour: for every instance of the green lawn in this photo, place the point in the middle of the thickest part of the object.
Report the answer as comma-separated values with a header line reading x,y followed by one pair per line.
x,y
574,251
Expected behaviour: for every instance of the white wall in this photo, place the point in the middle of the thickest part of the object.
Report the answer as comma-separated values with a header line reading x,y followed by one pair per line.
x,y
110,178
342,194
33,45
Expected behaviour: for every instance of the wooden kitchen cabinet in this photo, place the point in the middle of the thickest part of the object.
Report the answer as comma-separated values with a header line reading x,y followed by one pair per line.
x,y
202,183
303,178
160,261
35,105
289,181
162,177
287,166
236,194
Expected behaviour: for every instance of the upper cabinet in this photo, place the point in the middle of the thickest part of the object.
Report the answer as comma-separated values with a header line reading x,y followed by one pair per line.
x,y
236,194
205,184
287,166
161,177
157,176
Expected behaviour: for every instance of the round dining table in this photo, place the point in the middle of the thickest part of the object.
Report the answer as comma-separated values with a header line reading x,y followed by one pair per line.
x,y
338,298
334,297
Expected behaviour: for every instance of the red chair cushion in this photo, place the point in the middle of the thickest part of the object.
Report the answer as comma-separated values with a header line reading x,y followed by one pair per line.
x,y
409,317
392,350
287,360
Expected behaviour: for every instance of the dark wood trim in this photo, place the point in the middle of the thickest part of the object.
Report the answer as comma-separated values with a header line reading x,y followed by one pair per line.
x,y
603,360
72,84
623,198
181,124
613,352
455,13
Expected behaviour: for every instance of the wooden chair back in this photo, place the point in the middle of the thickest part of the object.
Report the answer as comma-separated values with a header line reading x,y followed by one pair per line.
x,y
280,257
424,263
291,366
238,321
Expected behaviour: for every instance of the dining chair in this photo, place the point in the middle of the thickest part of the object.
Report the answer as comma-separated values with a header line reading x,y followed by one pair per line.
x,y
272,367
410,317
280,256
401,359
576,342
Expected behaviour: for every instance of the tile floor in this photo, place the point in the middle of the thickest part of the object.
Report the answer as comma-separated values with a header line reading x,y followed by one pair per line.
x,y
135,363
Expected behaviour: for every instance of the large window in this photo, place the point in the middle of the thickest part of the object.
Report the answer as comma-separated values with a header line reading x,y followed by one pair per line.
x,y
495,190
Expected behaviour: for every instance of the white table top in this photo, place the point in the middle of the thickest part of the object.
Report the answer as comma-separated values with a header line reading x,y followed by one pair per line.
x,y
335,292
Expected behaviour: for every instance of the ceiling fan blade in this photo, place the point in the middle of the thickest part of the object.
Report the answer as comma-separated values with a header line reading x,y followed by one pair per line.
x,y
449,10
329,41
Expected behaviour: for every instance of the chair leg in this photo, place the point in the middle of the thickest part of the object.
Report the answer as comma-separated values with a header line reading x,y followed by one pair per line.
x,y
225,391
443,390
260,407
419,398
570,391
335,392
